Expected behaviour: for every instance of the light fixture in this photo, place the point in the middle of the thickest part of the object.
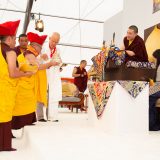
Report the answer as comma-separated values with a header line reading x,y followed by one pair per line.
x,y
39,25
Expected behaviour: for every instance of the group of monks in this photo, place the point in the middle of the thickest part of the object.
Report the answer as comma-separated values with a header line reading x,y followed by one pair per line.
x,y
23,80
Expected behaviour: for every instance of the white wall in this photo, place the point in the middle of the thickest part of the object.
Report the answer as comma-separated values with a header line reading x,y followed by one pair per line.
x,y
137,12
113,25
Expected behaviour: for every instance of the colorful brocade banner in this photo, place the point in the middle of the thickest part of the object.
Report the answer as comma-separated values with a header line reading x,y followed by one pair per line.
x,y
100,92
134,88
155,88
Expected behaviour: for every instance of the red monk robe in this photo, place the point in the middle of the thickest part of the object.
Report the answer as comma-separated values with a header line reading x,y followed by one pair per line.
x,y
138,47
81,82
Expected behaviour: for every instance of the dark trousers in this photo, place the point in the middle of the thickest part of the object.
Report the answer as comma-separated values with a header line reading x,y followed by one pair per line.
x,y
154,120
5,136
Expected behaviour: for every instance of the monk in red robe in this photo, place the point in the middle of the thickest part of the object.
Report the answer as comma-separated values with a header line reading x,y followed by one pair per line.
x,y
134,46
80,76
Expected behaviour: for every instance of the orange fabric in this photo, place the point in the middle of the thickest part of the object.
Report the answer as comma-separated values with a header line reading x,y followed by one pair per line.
x,y
26,94
41,81
31,49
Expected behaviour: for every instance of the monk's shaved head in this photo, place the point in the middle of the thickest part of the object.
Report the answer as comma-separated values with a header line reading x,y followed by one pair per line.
x,y
54,40
132,32
134,28
56,34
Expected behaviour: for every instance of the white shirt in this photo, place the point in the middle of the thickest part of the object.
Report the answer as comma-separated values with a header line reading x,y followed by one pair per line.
x,y
54,78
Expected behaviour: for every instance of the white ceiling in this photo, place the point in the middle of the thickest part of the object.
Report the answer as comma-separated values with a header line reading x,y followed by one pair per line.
x,y
85,33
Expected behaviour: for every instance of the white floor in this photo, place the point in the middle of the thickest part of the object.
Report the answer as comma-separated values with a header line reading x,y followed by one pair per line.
x,y
73,139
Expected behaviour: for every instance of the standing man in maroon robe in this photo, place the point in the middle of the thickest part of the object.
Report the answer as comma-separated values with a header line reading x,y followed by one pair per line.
x,y
134,46
80,76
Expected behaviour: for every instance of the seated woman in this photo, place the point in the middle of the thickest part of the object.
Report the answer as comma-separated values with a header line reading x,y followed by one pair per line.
x,y
154,119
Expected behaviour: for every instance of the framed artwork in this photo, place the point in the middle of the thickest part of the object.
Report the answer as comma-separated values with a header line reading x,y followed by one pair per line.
x,y
156,5
152,40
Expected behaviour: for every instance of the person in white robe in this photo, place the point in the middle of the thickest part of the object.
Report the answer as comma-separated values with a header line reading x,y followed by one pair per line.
x,y
54,78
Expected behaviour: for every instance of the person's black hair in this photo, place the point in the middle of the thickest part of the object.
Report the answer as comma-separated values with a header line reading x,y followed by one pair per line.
x,y
83,61
3,38
22,35
134,28
156,54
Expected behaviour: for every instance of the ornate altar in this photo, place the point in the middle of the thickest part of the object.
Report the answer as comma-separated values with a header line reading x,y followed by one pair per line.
x,y
110,65
115,68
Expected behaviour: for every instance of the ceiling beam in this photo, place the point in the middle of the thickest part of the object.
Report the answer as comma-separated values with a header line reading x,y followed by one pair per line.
x,y
54,16
27,15
71,18
27,19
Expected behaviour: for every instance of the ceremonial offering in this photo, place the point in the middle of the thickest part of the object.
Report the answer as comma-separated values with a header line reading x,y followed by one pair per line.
x,y
116,55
